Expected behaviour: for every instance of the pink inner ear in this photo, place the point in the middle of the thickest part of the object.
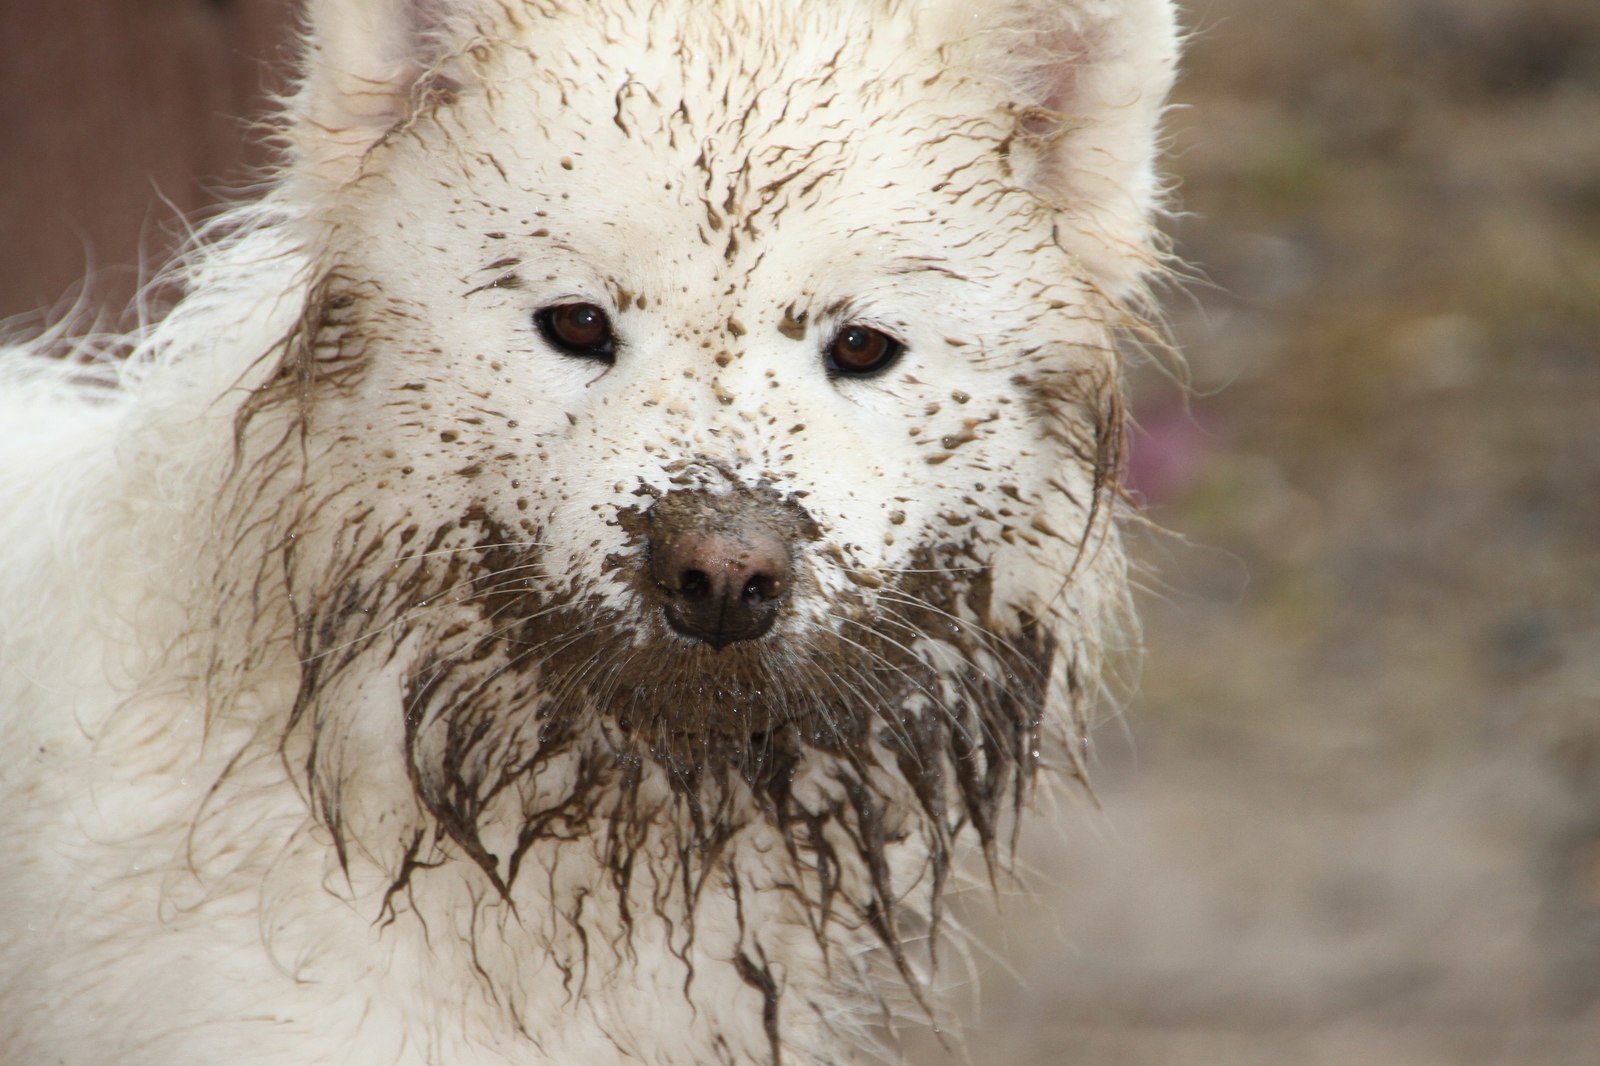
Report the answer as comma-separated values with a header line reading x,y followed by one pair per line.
x,y
1062,54
427,43
1051,112
428,18
374,62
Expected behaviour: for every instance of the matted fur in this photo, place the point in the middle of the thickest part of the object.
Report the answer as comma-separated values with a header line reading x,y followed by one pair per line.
x,y
338,722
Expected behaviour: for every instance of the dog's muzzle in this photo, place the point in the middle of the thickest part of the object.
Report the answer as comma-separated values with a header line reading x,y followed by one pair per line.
x,y
722,567
722,584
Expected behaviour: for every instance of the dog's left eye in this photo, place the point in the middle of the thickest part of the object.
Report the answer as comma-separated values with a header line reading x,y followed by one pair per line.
x,y
857,351
578,329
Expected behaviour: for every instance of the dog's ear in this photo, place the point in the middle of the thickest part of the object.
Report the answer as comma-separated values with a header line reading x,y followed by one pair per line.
x,y
1088,81
366,65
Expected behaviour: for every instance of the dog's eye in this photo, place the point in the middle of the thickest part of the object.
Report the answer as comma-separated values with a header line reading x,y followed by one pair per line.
x,y
578,329
856,351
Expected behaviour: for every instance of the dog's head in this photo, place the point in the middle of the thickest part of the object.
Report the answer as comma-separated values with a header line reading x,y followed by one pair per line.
x,y
707,415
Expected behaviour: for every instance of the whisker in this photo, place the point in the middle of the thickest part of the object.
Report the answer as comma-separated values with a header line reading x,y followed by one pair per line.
x,y
462,549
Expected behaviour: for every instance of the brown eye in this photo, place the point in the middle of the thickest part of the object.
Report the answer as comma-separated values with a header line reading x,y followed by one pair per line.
x,y
578,329
859,350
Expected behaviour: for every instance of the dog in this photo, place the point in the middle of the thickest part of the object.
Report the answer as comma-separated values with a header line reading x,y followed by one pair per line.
x,y
630,506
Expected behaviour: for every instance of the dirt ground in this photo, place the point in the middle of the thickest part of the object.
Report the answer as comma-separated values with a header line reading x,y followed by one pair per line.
x,y
1350,809
1351,813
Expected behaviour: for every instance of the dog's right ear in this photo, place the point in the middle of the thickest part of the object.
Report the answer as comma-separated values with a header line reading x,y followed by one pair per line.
x,y
1088,82
366,65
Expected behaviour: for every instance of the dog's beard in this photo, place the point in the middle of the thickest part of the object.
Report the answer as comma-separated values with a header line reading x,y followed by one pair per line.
x,y
535,718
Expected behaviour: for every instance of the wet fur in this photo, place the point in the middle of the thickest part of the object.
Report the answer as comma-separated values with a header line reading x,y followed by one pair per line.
x,y
340,726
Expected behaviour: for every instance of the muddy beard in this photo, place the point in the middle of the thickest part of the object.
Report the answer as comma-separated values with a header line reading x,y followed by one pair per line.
x,y
538,720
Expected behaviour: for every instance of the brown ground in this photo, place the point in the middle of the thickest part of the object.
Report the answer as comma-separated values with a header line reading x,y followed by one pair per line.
x,y
1352,813
1358,818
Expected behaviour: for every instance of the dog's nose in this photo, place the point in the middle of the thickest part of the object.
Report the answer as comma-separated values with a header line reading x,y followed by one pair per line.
x,y
721,584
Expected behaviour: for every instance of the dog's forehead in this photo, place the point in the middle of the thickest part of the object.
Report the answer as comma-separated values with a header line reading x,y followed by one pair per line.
x,y
743,189
758,116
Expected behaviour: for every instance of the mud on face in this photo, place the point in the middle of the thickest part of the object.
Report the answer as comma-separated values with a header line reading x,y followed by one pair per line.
x,y
553,708
526,632
726,669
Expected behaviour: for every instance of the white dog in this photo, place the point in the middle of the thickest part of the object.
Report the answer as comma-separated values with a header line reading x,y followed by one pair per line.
x,y
593,542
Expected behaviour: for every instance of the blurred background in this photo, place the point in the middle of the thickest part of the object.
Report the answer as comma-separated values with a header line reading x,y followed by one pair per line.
x,y
1350,812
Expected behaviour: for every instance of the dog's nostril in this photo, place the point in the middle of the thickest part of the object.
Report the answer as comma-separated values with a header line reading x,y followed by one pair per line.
x,y
724,584
694,583
761,587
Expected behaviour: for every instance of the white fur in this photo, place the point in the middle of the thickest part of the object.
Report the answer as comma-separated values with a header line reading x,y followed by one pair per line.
x,y
238,547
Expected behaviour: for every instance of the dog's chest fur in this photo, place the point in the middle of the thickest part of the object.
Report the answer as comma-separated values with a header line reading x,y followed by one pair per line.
x,y
600,539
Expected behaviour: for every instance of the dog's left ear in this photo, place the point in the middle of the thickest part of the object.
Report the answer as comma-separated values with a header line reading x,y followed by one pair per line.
x,y
365,67
1088,81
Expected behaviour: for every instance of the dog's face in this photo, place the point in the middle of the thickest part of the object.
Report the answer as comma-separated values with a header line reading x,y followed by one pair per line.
x,y
705,400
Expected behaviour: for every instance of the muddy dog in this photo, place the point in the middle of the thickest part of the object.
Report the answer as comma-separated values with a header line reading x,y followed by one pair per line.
x,y
596,542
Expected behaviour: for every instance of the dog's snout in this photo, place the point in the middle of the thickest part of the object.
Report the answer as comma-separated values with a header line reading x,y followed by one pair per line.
x,y
721,583
720,566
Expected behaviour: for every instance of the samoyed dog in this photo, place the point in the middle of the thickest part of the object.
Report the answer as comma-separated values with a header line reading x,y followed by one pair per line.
x,y
598,540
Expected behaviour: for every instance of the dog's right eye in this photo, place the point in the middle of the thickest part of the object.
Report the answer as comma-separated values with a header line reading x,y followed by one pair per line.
x,y
578,329
861,351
